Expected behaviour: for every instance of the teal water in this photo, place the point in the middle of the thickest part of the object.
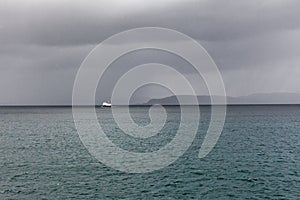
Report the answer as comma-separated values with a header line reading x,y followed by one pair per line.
x,y
256,157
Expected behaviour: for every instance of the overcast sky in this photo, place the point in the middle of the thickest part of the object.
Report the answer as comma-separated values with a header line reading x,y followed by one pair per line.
x,y
255,43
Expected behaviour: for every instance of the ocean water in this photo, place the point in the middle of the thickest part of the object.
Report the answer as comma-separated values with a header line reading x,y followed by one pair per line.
x,y
256,157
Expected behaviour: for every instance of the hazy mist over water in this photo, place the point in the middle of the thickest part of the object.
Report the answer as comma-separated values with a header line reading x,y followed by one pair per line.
x,y
69,69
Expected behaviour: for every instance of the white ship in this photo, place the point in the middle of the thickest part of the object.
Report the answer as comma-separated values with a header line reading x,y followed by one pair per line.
x,y
106,104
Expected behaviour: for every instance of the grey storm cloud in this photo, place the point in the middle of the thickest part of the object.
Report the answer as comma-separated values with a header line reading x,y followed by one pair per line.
x,y
255,44
79,22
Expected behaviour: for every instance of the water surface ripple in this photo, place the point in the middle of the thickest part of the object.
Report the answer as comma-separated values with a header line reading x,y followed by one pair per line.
x,y
257,157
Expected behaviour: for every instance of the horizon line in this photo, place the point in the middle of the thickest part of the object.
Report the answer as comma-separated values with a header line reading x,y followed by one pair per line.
x,y
143,105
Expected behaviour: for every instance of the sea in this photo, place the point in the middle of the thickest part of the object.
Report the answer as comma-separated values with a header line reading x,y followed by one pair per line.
x,y
256,157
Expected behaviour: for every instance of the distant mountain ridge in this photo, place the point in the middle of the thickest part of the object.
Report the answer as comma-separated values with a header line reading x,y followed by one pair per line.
x,y
257,98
